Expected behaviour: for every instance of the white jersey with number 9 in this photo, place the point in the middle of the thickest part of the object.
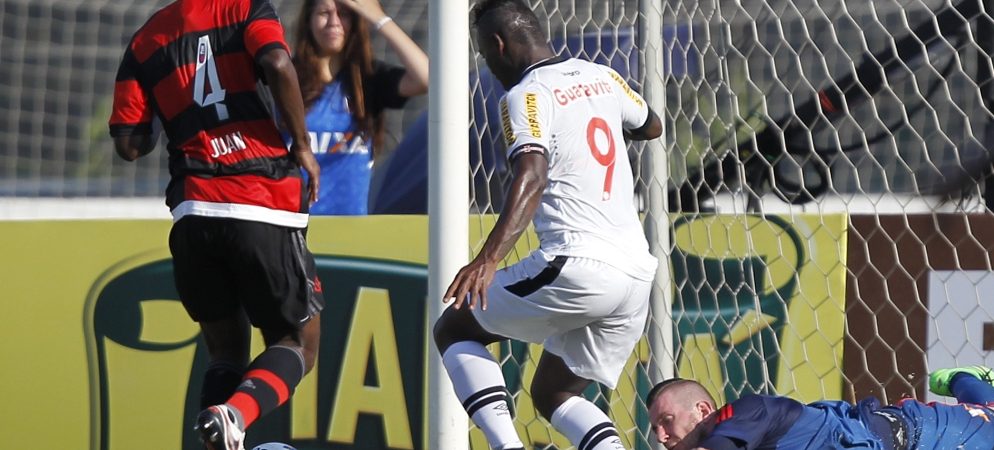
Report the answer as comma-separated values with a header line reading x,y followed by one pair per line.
x,y
574,112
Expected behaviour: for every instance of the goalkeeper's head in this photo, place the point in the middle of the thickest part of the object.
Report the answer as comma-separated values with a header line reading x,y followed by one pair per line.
x,y
679,412
510,38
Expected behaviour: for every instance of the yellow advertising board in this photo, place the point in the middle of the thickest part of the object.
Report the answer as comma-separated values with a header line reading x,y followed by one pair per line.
x,y
99,354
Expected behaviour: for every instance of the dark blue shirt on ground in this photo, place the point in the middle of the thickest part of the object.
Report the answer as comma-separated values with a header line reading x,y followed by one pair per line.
x,y
760,422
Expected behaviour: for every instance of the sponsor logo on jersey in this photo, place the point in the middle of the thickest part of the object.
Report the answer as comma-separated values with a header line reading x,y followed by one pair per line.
x,y
531,111
337,142
505,121
626,88
581,90
201,52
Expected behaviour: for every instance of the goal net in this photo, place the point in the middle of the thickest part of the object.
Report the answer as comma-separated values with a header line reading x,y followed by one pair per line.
x,y
825,164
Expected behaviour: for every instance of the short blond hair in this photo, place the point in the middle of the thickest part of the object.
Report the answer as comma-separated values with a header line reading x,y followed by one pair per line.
x,y
687,391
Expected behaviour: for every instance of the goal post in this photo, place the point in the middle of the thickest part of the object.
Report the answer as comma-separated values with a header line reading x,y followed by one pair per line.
x,y
448,218
655,190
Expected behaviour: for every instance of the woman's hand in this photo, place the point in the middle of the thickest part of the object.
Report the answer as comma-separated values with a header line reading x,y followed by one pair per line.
x,y
368,9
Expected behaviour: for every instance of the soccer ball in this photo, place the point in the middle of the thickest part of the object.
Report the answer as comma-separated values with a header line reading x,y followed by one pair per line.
x,y
273,446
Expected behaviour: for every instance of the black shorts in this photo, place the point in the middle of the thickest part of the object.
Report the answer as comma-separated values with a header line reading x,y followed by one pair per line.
x,y
221,265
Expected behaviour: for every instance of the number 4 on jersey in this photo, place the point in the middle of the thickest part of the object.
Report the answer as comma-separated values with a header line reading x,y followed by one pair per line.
x,y
206,68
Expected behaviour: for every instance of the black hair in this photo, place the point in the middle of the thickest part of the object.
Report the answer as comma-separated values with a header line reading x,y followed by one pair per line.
x,y
514,17
658,389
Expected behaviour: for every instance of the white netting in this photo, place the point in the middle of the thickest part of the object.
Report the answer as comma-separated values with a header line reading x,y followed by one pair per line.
x,y
788,111
885,97
59,59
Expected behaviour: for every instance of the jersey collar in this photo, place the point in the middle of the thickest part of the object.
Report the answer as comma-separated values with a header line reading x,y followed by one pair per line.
x,y
545,62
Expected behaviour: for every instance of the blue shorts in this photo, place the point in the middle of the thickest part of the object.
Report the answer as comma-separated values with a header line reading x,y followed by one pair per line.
x,y
939,426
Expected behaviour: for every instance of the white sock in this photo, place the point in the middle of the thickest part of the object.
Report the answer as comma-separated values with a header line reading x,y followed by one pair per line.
x,y
586,426
479,384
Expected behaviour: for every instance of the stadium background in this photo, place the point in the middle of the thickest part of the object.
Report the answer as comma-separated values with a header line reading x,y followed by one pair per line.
x,y
856,293
59,57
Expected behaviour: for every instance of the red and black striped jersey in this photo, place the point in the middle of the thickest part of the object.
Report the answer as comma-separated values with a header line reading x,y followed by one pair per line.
x,y
193,66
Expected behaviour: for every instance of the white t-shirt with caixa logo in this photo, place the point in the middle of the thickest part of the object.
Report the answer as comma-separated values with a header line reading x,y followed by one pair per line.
x,y
573,112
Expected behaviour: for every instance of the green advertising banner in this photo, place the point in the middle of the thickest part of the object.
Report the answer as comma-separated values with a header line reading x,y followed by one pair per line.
x,y
99,353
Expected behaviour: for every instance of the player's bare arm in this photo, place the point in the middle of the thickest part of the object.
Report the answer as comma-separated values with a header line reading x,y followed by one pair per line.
x,y
530,171
652,129
134,146
282,78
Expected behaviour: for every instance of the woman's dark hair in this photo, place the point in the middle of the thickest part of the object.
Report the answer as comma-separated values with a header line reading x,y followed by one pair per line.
x,y
357,65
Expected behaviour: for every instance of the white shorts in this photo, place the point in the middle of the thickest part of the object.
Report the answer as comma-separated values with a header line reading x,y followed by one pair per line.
x,y
585,311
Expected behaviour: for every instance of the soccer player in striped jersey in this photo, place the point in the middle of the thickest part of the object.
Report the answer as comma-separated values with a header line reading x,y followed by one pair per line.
x,y
584,293
683,415
237,196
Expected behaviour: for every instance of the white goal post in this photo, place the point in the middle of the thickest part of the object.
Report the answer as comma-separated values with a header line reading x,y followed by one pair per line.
x,y
448,218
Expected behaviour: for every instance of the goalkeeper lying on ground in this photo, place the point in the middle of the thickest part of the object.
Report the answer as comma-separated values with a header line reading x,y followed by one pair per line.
x,y
683,415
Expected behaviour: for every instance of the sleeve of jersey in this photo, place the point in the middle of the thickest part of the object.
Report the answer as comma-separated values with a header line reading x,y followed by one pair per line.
x,y
743,423
264,31
526,115
634,110
132,113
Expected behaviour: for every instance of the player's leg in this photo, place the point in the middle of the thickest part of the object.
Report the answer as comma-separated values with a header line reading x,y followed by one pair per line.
x,y
597,351
476,375
227,343
204,282
557,393
279,290
972,384
273,376
458,325
461,336
282,296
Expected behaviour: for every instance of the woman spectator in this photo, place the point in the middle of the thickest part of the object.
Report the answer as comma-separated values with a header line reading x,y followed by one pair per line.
x,y
345,91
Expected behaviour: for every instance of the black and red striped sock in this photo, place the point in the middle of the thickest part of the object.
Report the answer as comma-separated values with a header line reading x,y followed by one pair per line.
x,y
268,383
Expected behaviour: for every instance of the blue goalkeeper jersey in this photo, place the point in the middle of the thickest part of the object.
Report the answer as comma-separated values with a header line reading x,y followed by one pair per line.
x,y
760,422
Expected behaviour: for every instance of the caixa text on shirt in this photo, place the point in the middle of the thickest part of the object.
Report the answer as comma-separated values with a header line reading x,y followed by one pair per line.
x,y
337,142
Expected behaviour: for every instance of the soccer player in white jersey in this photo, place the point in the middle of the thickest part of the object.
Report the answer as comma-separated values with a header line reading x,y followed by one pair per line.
x,y
584,292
